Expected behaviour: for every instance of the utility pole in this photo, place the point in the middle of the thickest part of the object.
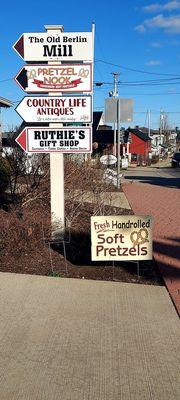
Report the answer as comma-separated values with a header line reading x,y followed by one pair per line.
x,y
115,95
149,123
115,91
161,121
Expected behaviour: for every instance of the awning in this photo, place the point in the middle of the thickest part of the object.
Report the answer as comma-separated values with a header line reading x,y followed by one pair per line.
x,y
5,103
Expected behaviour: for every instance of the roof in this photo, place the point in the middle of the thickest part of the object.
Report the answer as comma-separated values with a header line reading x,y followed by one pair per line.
x,y
103,136
141,135
5,103
96,119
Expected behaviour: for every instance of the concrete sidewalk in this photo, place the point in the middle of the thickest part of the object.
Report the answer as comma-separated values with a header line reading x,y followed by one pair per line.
x,y
74,339
163,204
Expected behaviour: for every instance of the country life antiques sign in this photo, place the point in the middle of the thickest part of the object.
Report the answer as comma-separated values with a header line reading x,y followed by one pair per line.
x,y
62,140
55,78
56,109
121,238
55,46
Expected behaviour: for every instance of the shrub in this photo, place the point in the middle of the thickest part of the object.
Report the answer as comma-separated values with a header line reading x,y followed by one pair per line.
x,y
4,176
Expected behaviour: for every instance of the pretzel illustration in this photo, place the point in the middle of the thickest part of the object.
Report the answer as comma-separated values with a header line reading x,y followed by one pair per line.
x,y
139,237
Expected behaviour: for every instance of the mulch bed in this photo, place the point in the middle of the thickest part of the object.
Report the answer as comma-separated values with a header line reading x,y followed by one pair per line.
x,y
41,258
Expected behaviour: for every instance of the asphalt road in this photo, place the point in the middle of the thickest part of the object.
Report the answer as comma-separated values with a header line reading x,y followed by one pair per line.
x,y
167,177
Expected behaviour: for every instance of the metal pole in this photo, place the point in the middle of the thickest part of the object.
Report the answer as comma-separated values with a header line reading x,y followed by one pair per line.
x,y
118,143
115,144
115,94
149,122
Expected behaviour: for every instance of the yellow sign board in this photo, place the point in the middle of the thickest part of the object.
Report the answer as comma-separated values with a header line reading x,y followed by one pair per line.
x,y
120,238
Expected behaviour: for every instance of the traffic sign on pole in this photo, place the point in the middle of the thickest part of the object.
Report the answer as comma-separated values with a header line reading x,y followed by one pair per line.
x,y
55,46
68,139
56,109
45,78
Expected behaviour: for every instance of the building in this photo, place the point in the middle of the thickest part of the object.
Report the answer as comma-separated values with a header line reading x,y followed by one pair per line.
x,y
4,103
137,145
134,143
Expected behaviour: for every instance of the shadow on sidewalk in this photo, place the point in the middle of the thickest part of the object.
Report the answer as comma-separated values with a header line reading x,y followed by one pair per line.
x,y
158,181
166,253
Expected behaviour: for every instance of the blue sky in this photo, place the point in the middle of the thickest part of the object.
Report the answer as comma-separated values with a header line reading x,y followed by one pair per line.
x,y
131,36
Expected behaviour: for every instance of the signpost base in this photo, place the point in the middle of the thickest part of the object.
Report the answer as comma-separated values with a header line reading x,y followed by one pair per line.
x,y
138,270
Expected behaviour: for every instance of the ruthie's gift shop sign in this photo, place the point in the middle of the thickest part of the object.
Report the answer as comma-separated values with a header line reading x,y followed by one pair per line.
x,y
121,238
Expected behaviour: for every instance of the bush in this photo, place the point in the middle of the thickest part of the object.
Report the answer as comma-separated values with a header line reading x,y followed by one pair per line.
x,y
4,176
155,159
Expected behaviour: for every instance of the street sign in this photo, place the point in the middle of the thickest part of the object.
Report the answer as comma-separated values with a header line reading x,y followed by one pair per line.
x,y
55,78
56,109
56,46
108,159
56,140
125,110
121,238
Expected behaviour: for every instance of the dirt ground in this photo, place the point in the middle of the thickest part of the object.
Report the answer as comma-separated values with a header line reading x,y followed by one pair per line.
x,y
28,254
25,232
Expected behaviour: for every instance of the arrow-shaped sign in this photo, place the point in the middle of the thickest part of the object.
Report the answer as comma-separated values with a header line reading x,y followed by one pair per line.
x,y
55,78
21,140
71,139
56,109
69,46
19,46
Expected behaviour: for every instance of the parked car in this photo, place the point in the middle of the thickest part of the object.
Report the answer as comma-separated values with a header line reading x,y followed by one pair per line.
x,y
176,160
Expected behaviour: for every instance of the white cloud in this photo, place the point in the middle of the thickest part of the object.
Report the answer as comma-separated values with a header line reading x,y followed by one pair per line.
x,y
140,28
153,63
157,7
156,45
169,24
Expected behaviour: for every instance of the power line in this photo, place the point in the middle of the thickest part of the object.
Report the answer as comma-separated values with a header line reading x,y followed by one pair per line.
x,y
135,70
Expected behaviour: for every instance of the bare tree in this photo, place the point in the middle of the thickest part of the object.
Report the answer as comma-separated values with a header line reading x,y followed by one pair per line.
x,y
26,171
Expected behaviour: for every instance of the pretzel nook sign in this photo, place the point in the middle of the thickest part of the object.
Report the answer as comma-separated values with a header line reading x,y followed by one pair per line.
x,y
120,238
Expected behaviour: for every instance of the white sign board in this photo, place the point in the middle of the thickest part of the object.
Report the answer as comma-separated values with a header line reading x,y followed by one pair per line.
x,y
121,109
56,109
55,78
120,238
69,46
52,140
108,159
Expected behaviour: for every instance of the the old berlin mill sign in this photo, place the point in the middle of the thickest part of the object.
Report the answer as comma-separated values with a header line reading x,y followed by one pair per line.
x,y
69,46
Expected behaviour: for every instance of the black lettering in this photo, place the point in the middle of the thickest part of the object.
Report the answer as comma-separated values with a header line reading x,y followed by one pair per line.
x,y
37,135
143,251
125,251
132,251
101,237
81,135
49,51
98,249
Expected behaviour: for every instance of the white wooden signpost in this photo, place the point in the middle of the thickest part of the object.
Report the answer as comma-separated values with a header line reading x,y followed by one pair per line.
x,y
75,50
56,109
65,78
